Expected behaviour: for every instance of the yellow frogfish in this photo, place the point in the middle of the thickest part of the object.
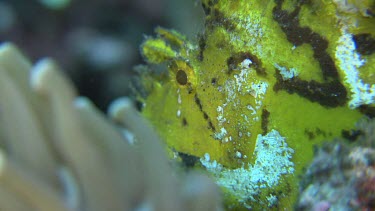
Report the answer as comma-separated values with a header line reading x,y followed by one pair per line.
x,y
262,84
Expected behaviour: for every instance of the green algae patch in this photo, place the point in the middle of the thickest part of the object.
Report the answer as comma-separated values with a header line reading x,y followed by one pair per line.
x,y
264,84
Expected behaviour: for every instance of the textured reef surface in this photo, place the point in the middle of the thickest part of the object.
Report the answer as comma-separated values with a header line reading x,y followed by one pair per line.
x,y
259,87
342,174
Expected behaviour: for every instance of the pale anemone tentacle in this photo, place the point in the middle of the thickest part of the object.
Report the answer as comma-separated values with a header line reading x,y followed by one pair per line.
x,y
114,148
58,152
27,186
78,152
124,112
18,116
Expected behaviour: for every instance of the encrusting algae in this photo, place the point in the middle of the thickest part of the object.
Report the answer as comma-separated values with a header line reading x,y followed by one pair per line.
x,y
263,84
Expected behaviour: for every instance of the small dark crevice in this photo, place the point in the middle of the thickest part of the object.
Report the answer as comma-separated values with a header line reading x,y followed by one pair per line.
x,y
351,135
265,119
214,81
189,161
202,46
138,105
184,122
367,110
365,44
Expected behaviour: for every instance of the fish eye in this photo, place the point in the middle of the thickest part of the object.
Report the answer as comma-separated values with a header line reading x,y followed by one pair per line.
x,y
182,73
181,77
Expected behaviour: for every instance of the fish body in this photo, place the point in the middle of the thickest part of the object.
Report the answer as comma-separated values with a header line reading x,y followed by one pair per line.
x,y
262,84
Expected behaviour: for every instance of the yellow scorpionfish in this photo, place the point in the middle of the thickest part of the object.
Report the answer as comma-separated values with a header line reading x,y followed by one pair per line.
x,y
259,87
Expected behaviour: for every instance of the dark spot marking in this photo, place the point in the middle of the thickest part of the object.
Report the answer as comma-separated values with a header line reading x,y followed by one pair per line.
x,y
181,77
232,64
184,122
309,134
198,102
217,19
213,81
205,115
189,88
138,105
351,135
236,59
320,132
211,126
367,110
331,93
265,119
188,160
207,7
202,46
364,43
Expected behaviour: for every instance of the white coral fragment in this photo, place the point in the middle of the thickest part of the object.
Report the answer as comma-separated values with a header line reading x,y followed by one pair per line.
x,y
273,159
349,62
